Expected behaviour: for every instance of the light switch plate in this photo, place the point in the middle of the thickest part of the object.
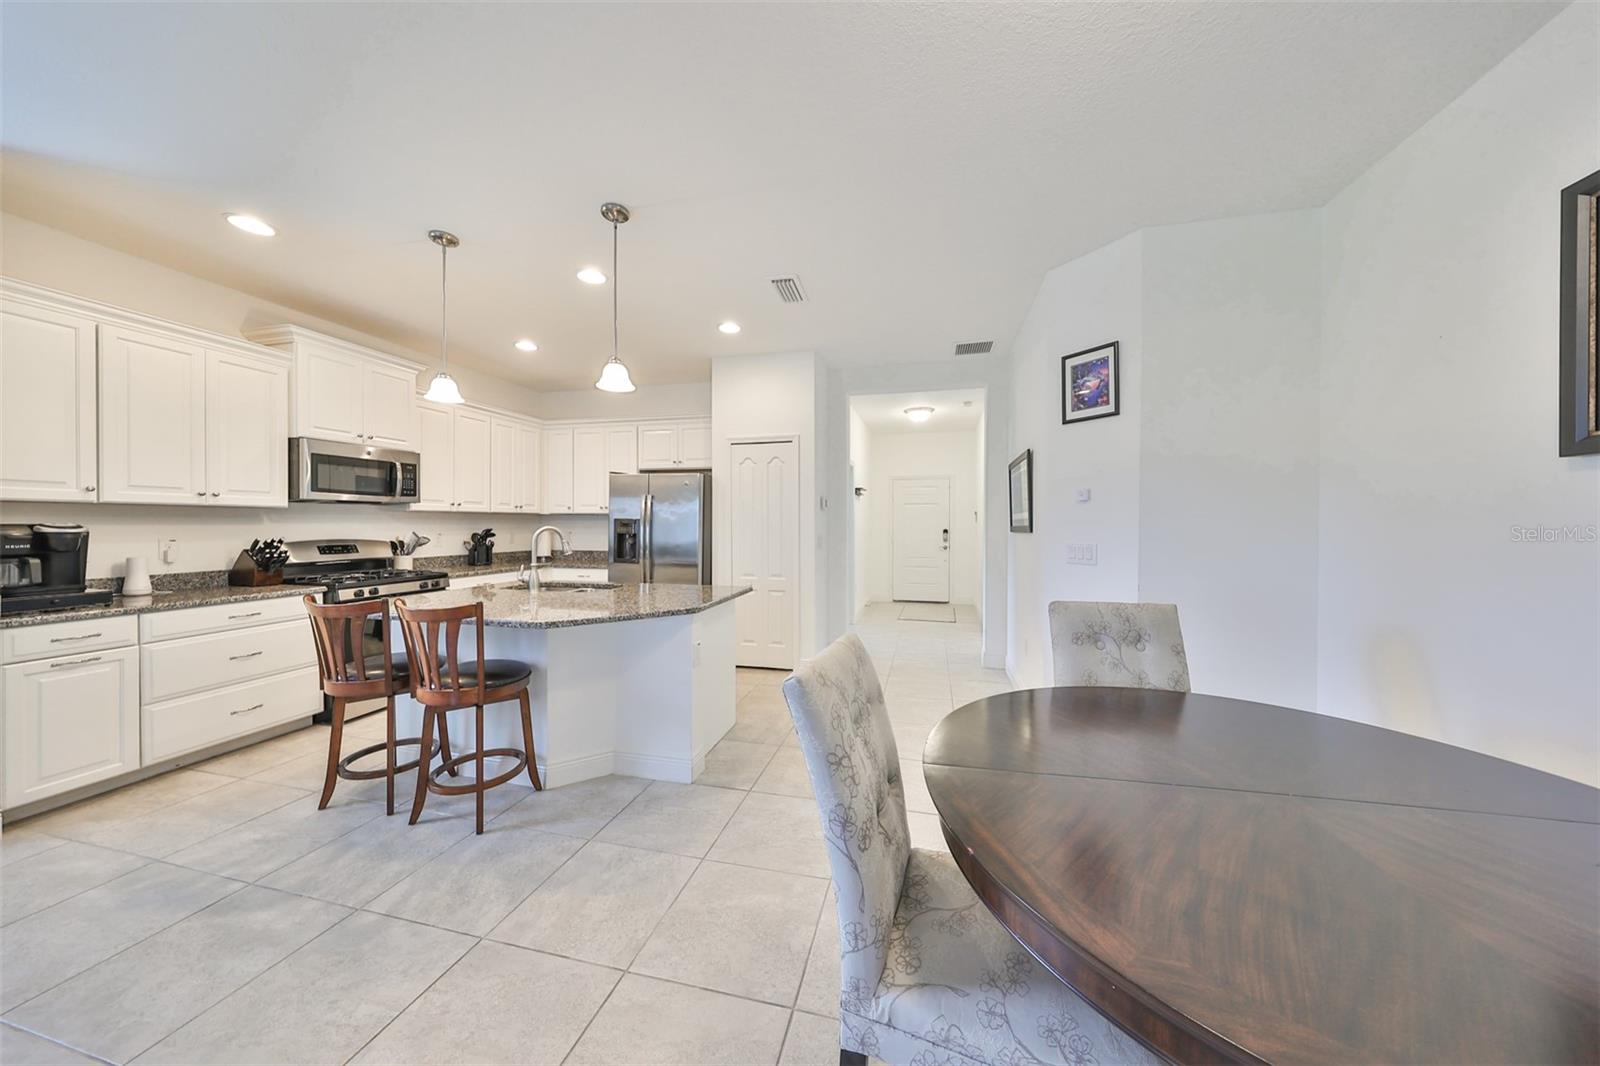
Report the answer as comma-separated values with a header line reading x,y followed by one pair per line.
x,y
1083,495
1083,554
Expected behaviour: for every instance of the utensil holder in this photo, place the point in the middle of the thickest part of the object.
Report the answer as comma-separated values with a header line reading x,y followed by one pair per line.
x,y
480,555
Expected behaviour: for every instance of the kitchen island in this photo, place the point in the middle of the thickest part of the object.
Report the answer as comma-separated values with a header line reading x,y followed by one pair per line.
x,y
627,679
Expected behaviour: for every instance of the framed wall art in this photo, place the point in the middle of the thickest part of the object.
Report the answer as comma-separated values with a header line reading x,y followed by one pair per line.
x,y
1580,263
1021,482
1090,387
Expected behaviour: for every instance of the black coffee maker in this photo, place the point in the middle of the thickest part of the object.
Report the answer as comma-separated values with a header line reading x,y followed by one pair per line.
x,y
45,568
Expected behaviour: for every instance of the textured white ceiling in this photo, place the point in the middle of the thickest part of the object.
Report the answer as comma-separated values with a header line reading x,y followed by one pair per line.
x,y
919,166
886,411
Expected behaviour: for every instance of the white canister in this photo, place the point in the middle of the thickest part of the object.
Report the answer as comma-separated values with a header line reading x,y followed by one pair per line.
x,y
136,577
404,562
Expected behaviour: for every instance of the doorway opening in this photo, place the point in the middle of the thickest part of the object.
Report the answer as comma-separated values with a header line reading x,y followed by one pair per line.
x,y
916,509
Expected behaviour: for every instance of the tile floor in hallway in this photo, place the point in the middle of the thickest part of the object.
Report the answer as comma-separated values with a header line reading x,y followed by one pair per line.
x,y
215,915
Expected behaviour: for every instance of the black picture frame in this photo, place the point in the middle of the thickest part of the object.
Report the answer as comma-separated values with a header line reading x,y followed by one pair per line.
x,y
1580,262
1019,480
1112,405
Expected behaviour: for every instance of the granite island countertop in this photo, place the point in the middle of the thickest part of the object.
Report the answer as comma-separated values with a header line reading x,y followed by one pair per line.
x,y
513,606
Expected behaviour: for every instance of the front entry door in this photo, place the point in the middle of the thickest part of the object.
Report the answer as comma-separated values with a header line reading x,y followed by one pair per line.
x,y
765,507
922,539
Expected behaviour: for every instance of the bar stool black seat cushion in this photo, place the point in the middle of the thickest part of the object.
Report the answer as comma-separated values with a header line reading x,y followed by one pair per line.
x,y
496,672
402,669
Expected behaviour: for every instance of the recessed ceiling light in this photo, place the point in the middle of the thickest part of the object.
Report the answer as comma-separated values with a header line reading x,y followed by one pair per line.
x,y
592,276
251,224
526,345
919,414
728,327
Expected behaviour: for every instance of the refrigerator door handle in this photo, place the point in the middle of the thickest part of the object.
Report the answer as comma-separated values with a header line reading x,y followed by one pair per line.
x,y
646,549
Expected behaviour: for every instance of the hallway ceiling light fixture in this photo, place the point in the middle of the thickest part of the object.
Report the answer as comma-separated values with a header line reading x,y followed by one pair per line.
x,y
592,276
251,224
526,345
729,327
443,388
919,414
614,376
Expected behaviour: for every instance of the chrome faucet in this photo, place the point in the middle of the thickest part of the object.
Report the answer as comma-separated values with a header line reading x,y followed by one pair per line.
x,y
561,538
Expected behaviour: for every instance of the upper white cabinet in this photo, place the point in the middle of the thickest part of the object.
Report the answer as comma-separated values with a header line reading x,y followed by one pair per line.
x,y
247,427
530,445
436,441
591,492
514,465
622,450
47,403
152,418
675,445
471,455
558,471
343,391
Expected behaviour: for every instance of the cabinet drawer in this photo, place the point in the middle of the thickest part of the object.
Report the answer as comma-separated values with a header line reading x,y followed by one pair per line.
x,y
195,722
178,667
65,638
192,621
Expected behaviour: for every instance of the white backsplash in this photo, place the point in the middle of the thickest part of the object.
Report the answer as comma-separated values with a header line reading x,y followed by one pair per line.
x,y
209,538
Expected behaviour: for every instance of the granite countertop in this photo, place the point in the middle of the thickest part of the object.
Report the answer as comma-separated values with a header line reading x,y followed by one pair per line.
x,y
513,606
160,600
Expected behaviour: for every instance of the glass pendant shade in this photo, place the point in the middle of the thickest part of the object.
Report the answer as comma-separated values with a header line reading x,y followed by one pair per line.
x,y
443,389
614,377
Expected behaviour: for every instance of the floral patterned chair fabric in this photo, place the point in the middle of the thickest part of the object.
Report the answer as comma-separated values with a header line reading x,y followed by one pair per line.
x,y
927,975
1124,645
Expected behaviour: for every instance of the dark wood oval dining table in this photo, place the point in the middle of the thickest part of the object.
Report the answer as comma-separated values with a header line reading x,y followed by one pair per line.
x,y
1238,882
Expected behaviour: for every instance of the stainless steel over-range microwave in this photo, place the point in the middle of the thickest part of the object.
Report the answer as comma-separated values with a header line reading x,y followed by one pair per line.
x,y
330,471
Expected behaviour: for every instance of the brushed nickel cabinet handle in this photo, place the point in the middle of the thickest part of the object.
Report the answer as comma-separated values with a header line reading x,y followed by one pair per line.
x,y
75,662
216,494
246,710
236,617
80,636
246,655
88,488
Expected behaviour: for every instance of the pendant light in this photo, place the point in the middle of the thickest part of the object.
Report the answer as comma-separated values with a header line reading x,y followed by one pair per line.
x,y
614,376
443,388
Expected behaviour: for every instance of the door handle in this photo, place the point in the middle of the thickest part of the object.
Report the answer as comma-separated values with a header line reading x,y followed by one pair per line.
x,y
647,563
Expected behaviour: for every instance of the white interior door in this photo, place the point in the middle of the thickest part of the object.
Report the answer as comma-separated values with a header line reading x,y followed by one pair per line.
x,y
921,544
764,504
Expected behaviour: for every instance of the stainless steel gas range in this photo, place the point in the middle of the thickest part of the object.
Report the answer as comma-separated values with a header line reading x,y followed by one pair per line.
x,y
349,570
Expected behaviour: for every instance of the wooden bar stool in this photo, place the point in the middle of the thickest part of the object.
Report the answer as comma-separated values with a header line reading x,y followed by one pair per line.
x,y
350,672
440,685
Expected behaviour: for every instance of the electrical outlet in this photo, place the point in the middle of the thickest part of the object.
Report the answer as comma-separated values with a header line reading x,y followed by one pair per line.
x,y
167,548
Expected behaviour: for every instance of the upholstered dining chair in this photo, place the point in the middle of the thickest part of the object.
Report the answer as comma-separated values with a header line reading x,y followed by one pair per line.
x,y
927,974
1123,645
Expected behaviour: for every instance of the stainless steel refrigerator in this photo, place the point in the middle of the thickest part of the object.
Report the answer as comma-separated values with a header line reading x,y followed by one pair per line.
x,y
660,528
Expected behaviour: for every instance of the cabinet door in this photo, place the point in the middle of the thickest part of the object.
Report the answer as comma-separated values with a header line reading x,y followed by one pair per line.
x,y
69,722
591,482
622,451
694,445
330,388
152,418
558,471
529,439
505,466
247,431
389,404
471,460
658,447
47,405
436,441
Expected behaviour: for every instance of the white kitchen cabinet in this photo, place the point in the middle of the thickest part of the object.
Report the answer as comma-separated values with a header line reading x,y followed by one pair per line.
x,y
622,450
558,445
69,721
48,403
471,459
505,466
389,408
591,493
530,439
247,427
436,441
675,445
152,418
345,392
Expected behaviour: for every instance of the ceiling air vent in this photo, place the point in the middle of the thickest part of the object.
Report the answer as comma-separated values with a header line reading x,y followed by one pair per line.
x,y
788,289
975,348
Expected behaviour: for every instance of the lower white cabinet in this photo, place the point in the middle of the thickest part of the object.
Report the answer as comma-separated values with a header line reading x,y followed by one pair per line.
x,y
197,721
70,721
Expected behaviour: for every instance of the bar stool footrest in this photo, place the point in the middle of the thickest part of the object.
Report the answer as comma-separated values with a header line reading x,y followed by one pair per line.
x,y
459,761
346,773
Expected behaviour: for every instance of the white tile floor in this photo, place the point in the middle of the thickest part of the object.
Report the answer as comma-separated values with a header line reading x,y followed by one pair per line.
x,y
215,915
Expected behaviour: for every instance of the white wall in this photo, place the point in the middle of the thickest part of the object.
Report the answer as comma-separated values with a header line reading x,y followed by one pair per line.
x,y
1439,425
647,401
1086,302
860,510
950,455
1228,455
770,397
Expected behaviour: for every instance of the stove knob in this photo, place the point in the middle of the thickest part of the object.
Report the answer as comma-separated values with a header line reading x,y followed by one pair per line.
x,y
359,594
372,592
